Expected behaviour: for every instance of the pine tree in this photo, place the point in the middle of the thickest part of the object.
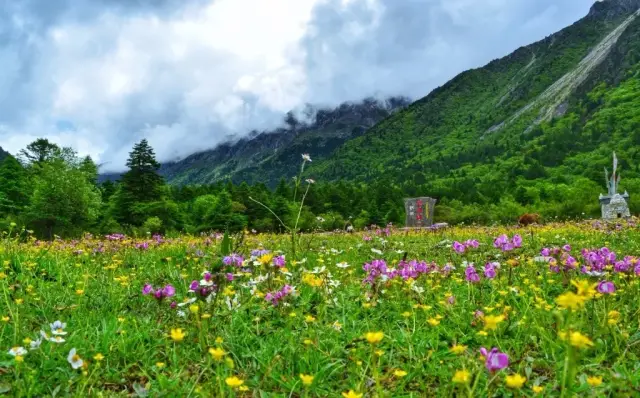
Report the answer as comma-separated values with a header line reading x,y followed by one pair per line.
x,y
141,184
39,151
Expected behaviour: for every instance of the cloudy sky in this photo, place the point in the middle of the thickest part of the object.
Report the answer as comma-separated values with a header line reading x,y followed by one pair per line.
x,y
99,75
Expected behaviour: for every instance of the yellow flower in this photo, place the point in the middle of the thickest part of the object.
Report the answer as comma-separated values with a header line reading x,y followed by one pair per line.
x,y
379,352
306,379
461,377
571,301
537,389
515,381
177,334
399,373
194,308
27,341
79,292
217,353
351,394
266,259
585,288
406,314
160,365
458,349
433,322
19,358
309,319
579,340
206,316
98,357
374,337
234,382
307,341
491,321
243,388
594,381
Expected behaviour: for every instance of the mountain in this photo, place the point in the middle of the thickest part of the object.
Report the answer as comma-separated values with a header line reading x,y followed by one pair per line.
x,y
3,154
271,155
537,125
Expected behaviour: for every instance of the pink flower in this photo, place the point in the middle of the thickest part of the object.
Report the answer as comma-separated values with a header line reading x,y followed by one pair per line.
x,y
495,360
606,287
147,289
459,247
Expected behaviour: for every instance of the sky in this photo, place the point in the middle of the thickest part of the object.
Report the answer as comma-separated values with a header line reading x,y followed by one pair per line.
x,y
99,75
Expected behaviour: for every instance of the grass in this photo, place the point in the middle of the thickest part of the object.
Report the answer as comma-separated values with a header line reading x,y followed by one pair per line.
x,y
130,343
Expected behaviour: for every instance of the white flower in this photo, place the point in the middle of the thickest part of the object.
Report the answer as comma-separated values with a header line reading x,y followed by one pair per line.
x,y
337,326
181,314
18,351
342,265
57,339
311,181
376,251
35,344
74,359
187,302
306,157
57,328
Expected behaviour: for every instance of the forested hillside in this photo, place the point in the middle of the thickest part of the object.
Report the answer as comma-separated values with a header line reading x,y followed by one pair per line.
x,y
532,130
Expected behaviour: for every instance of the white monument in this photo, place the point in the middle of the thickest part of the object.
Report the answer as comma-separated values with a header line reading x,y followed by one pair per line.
x,y
614,205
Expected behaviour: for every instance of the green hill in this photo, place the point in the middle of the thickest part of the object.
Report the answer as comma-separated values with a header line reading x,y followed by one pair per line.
x,y
536,126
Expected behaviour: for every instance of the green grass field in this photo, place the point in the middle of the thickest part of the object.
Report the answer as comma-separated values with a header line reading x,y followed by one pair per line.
x,y
563,322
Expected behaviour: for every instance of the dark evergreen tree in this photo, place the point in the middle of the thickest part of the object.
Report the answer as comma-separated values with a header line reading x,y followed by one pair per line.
x,y
13,186
141,184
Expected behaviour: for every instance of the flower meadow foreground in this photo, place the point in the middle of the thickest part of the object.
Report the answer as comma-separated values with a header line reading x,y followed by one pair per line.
x,y
542,311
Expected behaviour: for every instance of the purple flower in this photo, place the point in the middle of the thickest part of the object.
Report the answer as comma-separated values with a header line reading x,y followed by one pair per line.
x,y
471,274
489,271
229,276
147,289
472,243
566,248
194,285
451,300
234,259
517,241
495,360
459,247
279,261
606,287
173,305
545,252
168,291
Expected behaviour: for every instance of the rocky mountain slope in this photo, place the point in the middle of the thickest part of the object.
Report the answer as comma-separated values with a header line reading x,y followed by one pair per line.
x,y
271,155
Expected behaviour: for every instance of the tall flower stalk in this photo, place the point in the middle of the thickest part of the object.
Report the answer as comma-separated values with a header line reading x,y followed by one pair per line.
x,y
293,228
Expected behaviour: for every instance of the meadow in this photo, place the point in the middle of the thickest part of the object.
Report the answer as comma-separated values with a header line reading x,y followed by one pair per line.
x,y
463,311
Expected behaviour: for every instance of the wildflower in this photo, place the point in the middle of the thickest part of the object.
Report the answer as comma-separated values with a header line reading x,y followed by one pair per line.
x,y
461,377
399,373
579,340
491,321
606,287
160,365
234,382
219,340
459,247
537,389
57,328
307,380
374,337
433,322
594,381
494,359
18,351
585,288
570,300
309,319
265,259
458,349
74,359
177,334
98,357
306,157
351,394
515,381
217,353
